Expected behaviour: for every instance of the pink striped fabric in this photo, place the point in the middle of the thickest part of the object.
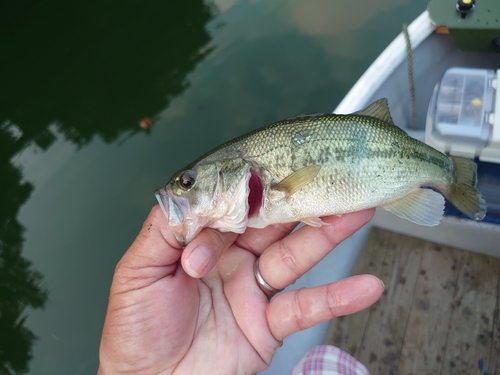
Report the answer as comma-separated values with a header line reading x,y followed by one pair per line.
x,y
328,360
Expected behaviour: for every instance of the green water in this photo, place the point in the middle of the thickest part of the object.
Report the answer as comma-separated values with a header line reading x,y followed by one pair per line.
x,y
77,173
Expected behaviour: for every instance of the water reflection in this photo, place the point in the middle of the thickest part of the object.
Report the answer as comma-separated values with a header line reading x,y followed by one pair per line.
x,y
19,282
98,73
82,72
335,25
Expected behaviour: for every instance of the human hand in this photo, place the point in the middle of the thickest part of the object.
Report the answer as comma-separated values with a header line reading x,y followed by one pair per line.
x,y
210,316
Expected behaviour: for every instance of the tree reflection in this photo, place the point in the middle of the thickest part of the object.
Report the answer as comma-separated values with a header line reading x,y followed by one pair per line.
x,y
92,70
19,283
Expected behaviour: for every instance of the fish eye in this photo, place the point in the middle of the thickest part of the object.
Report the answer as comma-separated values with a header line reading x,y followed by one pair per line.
x,y
186,180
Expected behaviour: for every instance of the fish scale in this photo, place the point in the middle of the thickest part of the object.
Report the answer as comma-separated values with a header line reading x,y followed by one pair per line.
x,y
316,165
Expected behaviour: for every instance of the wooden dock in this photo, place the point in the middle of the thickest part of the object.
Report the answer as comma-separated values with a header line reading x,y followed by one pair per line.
x,y
440,312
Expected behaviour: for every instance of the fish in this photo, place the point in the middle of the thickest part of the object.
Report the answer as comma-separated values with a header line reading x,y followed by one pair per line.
x,y
310,166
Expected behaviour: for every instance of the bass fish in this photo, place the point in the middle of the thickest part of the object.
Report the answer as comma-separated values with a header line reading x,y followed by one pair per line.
x,y
310,166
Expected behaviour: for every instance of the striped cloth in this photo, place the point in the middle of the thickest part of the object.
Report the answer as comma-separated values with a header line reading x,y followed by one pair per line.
x,y
328,360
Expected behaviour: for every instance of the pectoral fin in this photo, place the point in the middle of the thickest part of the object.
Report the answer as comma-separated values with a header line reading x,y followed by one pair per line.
x,y
421,206
298,179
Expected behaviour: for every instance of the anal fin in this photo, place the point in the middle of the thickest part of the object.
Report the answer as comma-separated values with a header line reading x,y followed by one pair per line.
x,y
421,206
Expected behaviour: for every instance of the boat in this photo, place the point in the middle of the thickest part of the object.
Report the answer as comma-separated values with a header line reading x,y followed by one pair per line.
x,y
431,73
436,57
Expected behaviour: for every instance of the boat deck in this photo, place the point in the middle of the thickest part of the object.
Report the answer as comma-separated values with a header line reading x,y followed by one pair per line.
x,y
440,312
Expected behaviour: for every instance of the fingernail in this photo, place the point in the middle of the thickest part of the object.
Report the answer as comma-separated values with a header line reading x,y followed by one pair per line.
x,y
198,261
383,285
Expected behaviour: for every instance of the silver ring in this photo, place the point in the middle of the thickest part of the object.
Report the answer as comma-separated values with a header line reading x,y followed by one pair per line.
x,y
261,282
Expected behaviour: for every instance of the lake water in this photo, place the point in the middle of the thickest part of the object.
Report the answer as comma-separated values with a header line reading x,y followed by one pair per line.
x,y
77,173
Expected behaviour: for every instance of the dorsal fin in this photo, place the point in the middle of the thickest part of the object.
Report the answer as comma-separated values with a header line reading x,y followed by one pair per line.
x,y
305,116
378,109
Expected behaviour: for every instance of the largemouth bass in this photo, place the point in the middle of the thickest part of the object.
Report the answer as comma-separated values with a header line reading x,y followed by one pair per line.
x,y
310,166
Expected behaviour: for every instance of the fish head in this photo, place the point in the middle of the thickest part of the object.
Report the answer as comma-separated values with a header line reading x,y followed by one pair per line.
x,y
206,195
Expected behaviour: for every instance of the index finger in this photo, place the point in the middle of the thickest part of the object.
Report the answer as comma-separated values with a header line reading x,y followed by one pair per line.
x,y
214,243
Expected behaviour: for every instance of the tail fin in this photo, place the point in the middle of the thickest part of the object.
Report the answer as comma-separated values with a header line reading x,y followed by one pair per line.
x,y
464,195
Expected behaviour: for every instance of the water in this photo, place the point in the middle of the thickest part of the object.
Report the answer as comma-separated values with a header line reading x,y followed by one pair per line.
x,y
77,173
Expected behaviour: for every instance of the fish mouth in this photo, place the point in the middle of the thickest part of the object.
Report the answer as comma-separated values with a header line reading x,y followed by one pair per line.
x,y
175,212
169,207
159,194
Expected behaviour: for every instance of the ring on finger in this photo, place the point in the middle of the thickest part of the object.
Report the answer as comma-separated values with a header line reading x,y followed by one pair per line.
x,y
261,282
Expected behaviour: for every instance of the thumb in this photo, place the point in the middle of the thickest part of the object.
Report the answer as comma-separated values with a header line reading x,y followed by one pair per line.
x,y
155,253
201,254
